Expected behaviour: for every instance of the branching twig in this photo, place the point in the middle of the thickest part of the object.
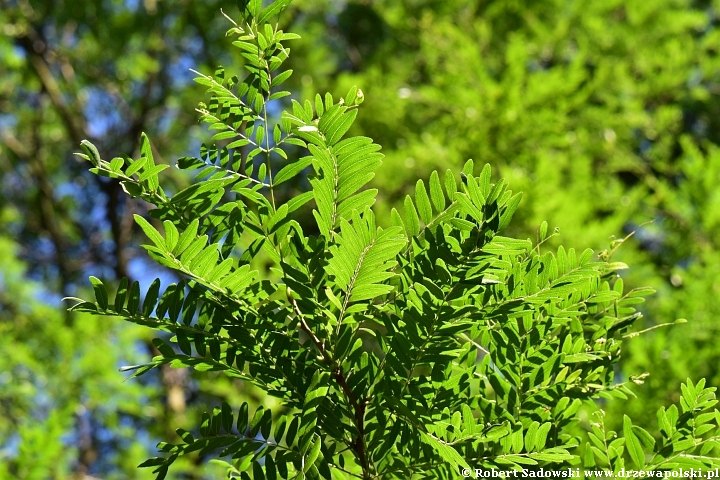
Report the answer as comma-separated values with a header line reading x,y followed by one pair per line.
x,y
358,405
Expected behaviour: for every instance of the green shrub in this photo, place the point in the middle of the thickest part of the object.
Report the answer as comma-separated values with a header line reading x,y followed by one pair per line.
x,y
604,114
421,349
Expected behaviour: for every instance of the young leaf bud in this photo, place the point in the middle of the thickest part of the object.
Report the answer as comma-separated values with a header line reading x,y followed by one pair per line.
x,y
91,151
289,294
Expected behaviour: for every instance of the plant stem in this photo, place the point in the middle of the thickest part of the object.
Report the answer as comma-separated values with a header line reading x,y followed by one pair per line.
x,y
358,406
359,409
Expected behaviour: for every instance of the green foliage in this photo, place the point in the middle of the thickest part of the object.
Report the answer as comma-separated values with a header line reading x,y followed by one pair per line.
x,y
684,442
69,71
48,378
604,114
418,349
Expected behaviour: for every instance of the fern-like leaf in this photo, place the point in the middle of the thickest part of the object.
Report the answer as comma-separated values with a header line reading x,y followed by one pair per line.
x,y
342,167
362,257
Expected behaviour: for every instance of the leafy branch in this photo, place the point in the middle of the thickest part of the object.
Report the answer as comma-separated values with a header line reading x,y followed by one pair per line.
x,y
436,342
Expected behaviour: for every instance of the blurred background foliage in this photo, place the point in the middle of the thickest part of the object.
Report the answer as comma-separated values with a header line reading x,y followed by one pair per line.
x,y
606,114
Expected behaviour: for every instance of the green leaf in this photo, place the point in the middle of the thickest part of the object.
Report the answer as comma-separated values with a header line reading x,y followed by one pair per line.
x,y
277,219
197,246
292,431
397,219
279,79
362,257
150,175
319,107
341,171
152,462
313,454
436,193
262,172
542,232
644,436
298,201
100,293
279,429
470,208
183,342
336,129
226,417
291,170
633,444
91,152
412,222
541,436
116,164
203,263
256,422
530,435
450,185
484,178
187,237
121,295
165,349
423,202
359,202
445,451
555,455
277,135
510,209
351,95
259,139
150,231
134,298
151,297
271,10
171,235
242,418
